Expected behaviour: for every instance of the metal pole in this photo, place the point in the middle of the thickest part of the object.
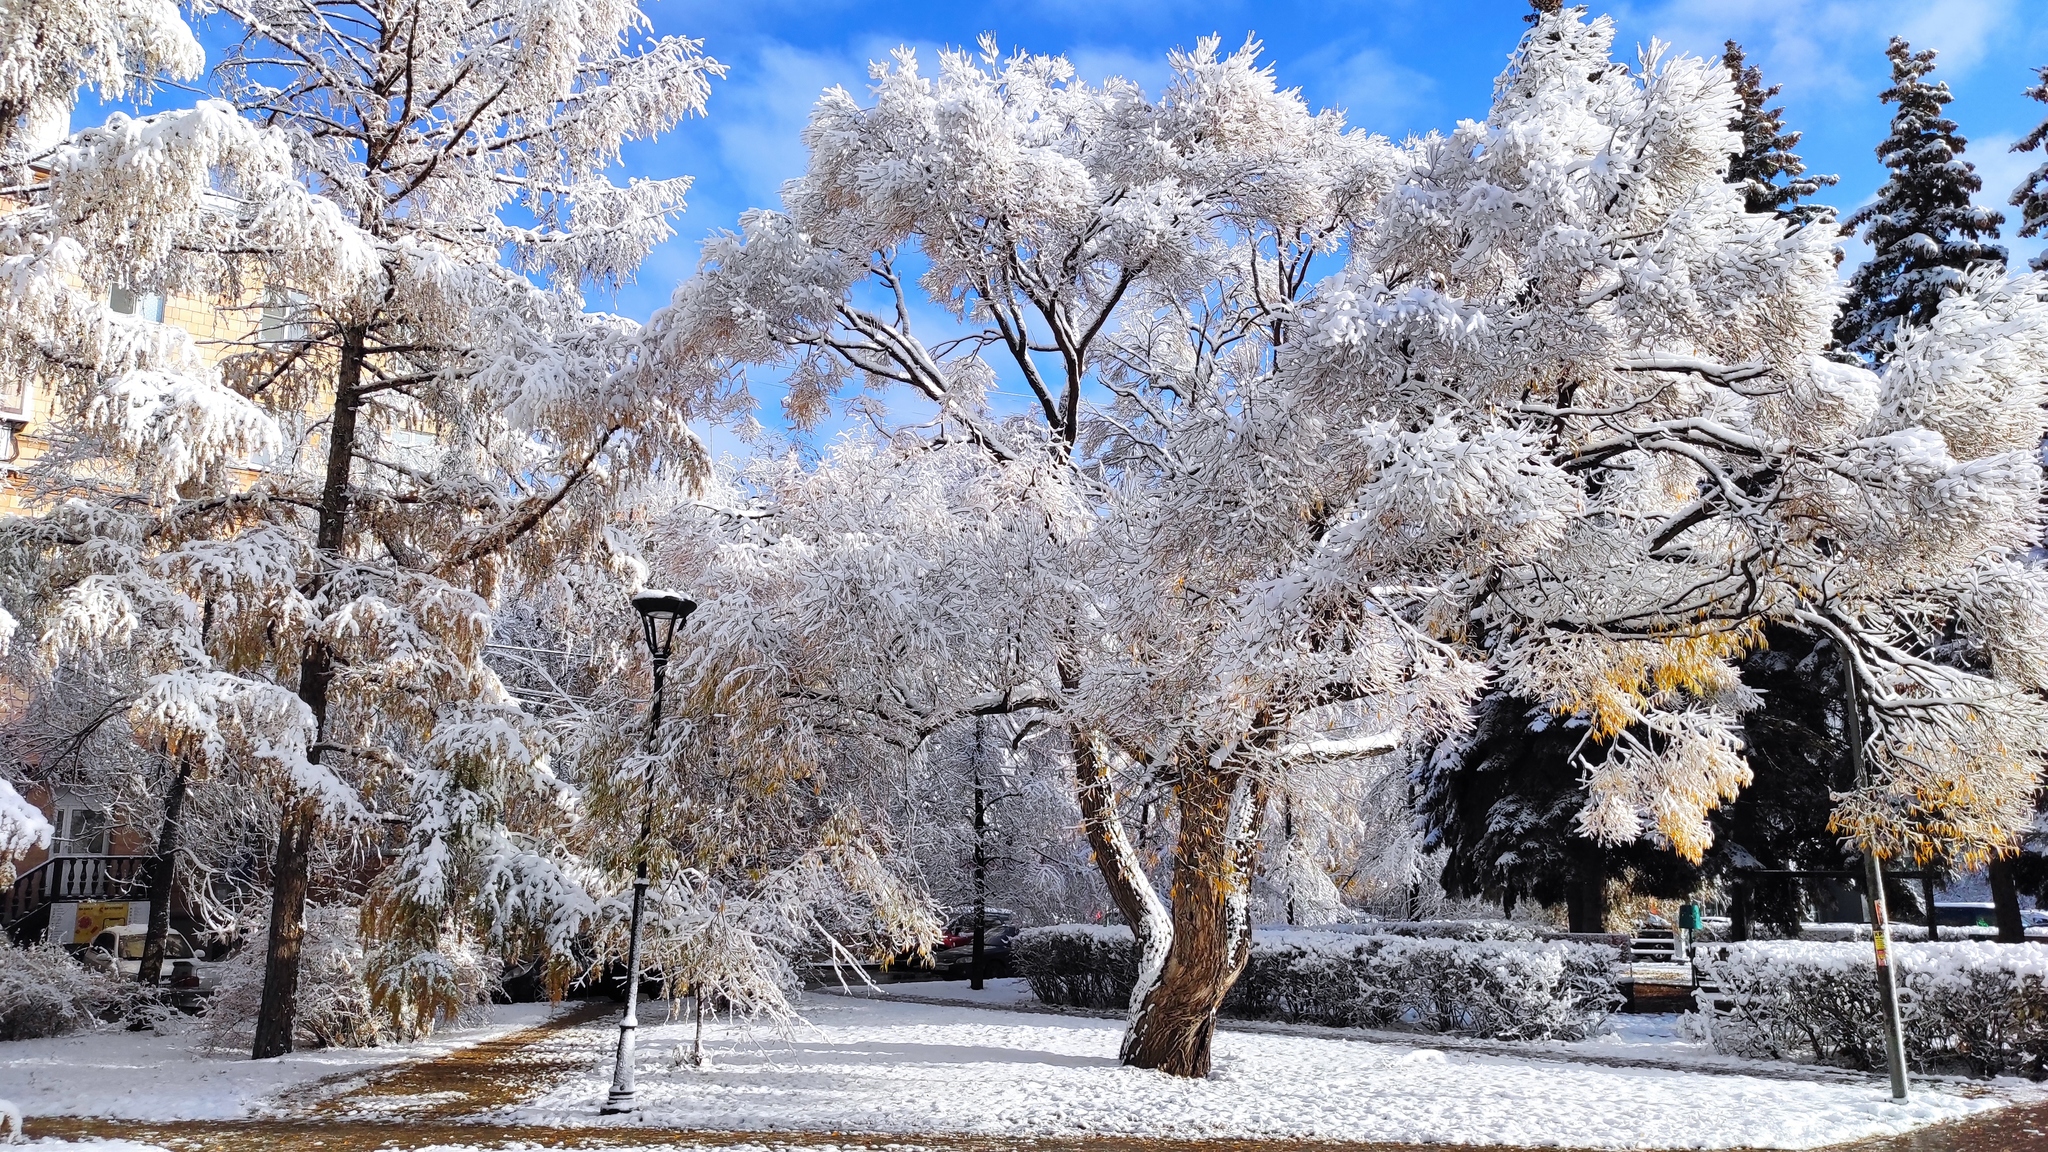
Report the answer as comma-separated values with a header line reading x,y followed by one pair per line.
x,y
974,969
621,1098
1873,897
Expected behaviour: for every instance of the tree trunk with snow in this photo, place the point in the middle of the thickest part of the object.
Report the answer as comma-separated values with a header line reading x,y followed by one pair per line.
x,y
291,870
1123,873
162,873
278,1014
1176,1021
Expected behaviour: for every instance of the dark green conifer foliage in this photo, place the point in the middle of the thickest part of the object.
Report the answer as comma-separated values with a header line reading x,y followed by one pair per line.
x,y
1502,801
1767,155
2031,197
1923,231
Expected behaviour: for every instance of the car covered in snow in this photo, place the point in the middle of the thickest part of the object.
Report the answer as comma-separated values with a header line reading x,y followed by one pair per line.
x,y
186,978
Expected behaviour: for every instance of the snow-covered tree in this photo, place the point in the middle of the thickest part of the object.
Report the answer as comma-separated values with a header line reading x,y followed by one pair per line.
x,y
1767,155
297,539
1500,801
1563,409
2031,197
50,49
1089,237
1023,846
1924,233
1715,471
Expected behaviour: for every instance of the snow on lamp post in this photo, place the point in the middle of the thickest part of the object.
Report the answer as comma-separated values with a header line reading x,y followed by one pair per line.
x,y
661,613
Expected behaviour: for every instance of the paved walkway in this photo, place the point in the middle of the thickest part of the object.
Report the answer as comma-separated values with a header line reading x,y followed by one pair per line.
x,y
423,1105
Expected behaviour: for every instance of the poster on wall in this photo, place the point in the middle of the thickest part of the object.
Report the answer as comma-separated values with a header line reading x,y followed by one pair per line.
x,y
63,922
95,916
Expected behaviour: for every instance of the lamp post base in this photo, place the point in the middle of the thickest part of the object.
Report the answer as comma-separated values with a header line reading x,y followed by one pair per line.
x,y
616,1103
621,1098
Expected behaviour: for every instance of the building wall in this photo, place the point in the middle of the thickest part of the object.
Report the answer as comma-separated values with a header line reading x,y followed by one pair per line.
x,y
215,327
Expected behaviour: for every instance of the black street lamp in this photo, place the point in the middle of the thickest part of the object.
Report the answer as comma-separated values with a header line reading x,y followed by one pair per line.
x,y
661,613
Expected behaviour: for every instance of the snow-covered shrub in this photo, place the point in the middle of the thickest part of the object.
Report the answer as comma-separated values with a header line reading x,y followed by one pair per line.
x,y
1077,965
44,992
415,991
1501,989
337,1006
1442,929
1978,1008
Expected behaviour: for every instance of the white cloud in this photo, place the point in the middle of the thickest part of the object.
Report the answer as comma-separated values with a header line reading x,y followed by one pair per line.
x,y
1960,29
1376,93
766,103
1821,41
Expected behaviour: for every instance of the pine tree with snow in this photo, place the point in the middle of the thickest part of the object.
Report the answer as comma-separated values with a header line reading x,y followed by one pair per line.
x,y
2031,197
1501,801
1924,232
1767,154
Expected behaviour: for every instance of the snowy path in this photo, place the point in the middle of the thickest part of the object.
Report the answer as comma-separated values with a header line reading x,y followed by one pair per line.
x,y
883,1067
119,1074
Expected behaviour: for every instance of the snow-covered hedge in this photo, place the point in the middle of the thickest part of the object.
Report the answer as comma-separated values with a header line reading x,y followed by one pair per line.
x,y
44,992
1977,1008
1520,989
1077,965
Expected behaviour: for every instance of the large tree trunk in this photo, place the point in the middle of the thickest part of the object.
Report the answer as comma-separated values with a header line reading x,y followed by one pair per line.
x,y
1219,813
2005,901
1585,901
162,872
279,1012
291,871
1123,871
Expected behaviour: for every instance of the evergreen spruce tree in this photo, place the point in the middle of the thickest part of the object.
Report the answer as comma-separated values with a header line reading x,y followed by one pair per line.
x,y
2031,197
1767,154
1502,802
1922,229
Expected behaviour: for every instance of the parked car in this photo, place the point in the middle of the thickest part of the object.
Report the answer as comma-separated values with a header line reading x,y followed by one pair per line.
x,y
187,978
955,955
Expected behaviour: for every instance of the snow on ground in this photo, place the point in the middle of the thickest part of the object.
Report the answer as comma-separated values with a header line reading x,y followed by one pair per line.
x,y
124,1075
900,1068
1003,993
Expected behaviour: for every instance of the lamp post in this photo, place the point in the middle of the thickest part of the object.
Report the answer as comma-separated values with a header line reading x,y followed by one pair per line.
x,y
1873,893
661,613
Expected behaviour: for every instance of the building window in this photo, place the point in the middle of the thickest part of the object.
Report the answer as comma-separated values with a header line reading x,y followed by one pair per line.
x,y
80,832
141,305
285,312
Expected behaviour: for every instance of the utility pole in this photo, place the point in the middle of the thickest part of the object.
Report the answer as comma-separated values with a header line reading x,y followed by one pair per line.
x,y
1873,893
1414,881
974,970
